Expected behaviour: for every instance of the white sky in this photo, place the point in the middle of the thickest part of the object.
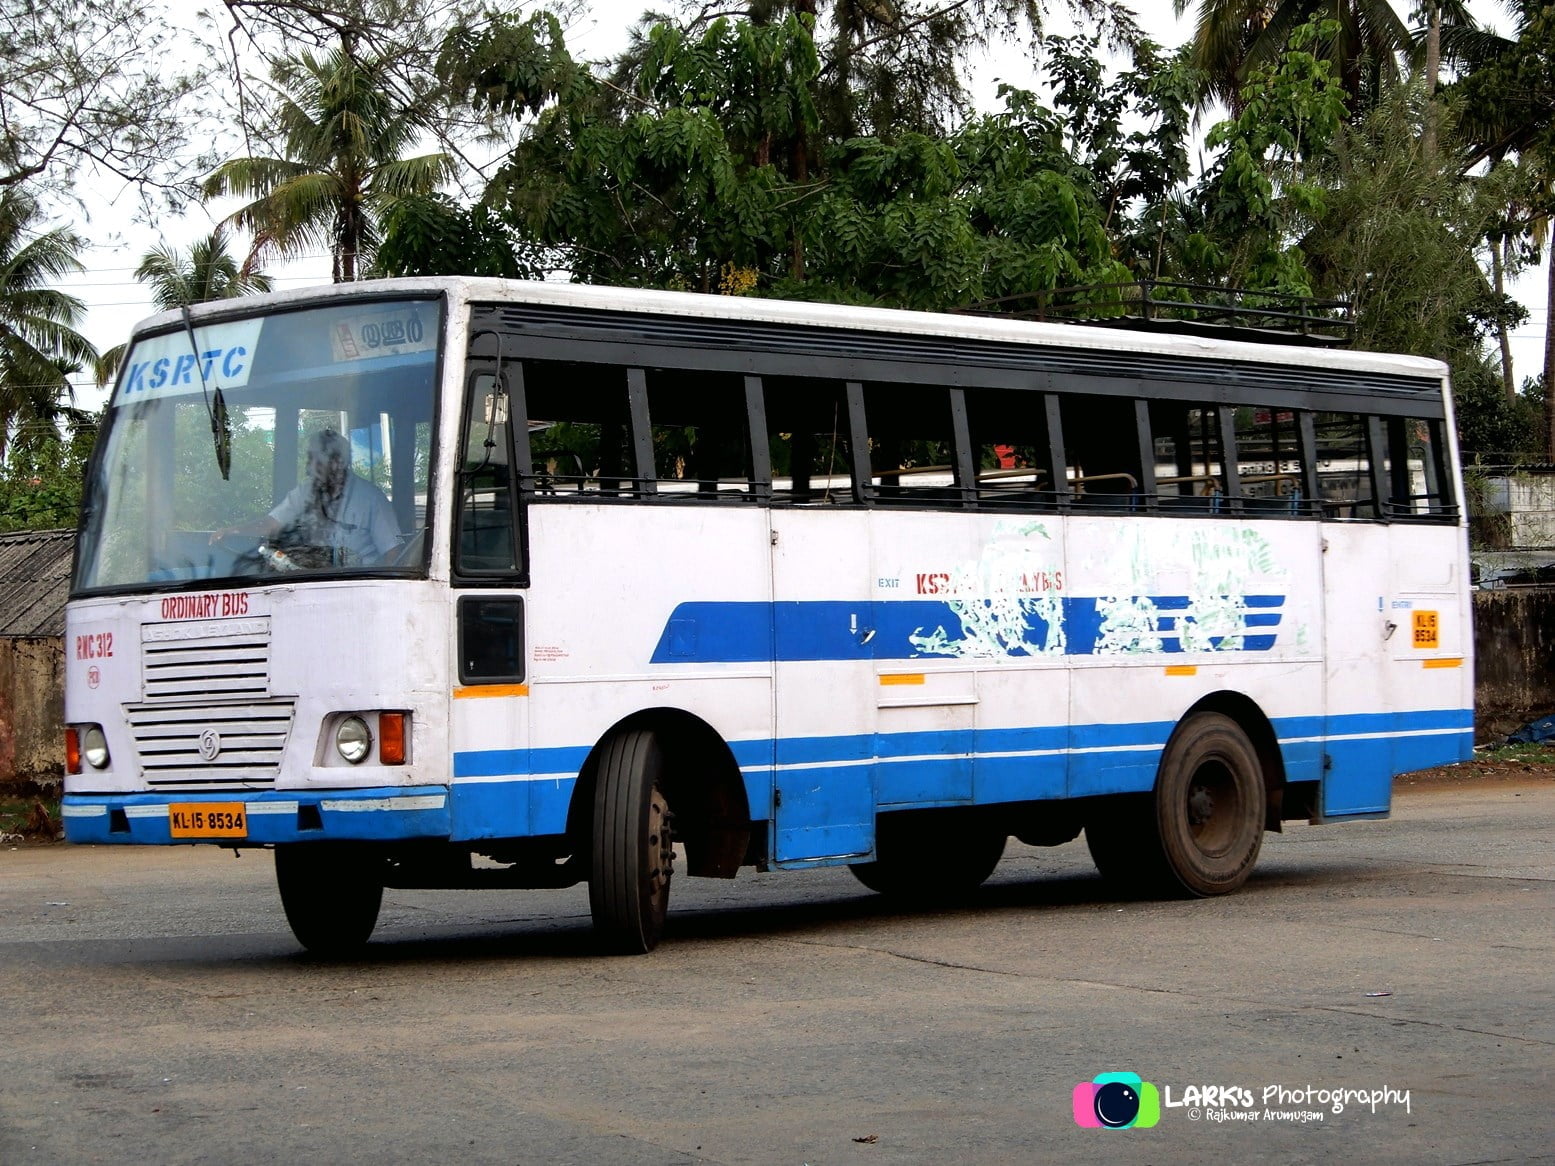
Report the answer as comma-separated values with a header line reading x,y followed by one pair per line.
x,y
115,300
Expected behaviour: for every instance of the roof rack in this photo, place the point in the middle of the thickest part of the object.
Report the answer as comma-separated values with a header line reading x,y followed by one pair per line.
x,y
1193,309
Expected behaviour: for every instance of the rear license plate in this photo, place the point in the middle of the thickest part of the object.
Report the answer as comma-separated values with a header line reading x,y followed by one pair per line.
x,y
208,820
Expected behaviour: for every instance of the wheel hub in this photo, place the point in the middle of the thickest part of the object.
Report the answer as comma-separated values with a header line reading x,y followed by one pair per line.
x,y
661,843
1201,806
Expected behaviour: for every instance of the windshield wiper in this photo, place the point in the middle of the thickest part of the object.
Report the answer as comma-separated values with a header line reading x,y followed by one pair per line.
x,y
221,426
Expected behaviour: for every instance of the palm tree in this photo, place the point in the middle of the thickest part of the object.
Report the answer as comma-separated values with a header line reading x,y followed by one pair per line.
x,y
39,344
342,133
1507,108
206,272
1233,36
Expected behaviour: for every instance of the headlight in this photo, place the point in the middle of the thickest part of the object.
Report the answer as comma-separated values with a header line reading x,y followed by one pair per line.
x,y
94,747
354,739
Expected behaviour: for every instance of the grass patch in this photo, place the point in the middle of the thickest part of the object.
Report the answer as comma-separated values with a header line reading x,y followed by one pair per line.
x,y
31,815
1531,753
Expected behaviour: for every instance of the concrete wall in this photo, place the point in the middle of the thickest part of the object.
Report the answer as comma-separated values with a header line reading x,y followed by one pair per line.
x,y
1526,502
1514,648
32,709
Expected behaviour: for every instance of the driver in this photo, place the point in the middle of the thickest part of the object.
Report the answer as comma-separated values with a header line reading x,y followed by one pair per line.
x,y
331,507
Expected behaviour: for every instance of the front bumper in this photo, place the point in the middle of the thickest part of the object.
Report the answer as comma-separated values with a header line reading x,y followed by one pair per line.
x,y
357,815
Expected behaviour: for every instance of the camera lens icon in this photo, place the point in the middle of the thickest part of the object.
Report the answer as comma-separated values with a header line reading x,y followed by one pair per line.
x,y
1116,1101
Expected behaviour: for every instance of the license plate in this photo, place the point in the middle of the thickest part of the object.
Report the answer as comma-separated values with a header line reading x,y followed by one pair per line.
x,y
208,820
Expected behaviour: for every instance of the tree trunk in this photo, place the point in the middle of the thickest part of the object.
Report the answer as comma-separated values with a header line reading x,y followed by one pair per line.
x,y
1498,273
1433,68
1549,355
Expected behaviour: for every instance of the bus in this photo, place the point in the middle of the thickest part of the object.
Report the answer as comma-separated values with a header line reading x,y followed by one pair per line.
x,y
480,583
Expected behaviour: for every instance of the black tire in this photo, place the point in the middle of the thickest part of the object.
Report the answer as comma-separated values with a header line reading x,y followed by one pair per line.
x,y
1200,832
925,858
331,896
633,855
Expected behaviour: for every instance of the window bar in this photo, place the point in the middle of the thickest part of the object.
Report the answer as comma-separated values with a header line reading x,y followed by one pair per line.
x,y
642,430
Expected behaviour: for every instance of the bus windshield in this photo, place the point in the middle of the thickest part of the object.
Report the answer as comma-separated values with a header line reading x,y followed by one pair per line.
x,y
324,420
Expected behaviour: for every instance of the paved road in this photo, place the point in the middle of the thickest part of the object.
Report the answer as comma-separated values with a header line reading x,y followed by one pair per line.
x,y
157,1010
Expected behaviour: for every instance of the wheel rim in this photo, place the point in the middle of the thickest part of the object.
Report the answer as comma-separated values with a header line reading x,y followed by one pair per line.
x,y
660,851
1214,809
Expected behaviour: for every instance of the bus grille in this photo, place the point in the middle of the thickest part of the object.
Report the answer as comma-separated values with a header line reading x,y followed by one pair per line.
x,y
211,746
217,660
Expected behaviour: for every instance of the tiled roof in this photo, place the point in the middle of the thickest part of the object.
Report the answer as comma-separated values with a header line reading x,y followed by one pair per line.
x,y
35,581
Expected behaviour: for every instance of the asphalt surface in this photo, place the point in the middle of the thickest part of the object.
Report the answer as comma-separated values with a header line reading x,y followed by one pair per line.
x,y
157,1010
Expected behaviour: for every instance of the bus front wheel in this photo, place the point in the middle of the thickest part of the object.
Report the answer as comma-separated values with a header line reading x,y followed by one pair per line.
x,y
1201,831
633,849
331,896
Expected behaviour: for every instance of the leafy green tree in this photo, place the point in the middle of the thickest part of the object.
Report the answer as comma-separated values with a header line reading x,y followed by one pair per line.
x,y
1259,197
691,186
87,87
342,137
40,485
39,344
1399,237
431,234
1362,40
1127,137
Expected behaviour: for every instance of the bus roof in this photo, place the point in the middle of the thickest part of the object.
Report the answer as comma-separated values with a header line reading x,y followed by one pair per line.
x,y
800,313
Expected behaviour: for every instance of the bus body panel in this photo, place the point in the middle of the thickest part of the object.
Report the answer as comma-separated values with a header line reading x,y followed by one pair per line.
x,y
256,678
855,659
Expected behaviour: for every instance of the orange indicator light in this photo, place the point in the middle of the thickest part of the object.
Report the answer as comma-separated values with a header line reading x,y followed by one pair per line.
x,y
391,738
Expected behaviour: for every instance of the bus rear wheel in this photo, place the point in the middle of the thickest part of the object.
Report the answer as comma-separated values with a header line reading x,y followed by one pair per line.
x,y
331,896
1200,833
921,857
633,847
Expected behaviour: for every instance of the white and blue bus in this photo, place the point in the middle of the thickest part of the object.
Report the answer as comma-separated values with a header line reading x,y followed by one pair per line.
x,y
702,582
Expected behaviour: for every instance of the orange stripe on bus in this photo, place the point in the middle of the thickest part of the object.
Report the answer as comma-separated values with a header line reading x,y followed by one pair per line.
x,y
905,678
1182,669
491,690
1447,663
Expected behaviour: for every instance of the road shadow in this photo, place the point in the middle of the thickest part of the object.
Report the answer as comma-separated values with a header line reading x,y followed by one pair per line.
x,y
778,908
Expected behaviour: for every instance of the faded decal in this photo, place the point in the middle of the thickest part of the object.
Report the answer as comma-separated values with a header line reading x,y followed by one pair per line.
x,y
1007,603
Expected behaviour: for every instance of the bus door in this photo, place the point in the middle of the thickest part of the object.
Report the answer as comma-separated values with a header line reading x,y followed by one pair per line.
x,y
824,682
1358,621
489,722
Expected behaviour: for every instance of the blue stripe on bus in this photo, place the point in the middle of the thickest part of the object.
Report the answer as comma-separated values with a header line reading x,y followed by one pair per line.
x,y
1143,738
707,632
1354,755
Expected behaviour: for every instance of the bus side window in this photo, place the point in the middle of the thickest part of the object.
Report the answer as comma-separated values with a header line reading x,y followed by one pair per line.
x,y
1102,451
1268,462
808,425
1190,469
580,438
1415,469
1012,448
485,540
1344,466
912,445
701,438
491,640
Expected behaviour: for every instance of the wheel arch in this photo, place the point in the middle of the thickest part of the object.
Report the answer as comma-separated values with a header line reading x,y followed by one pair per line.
x,y
702,784
1260,731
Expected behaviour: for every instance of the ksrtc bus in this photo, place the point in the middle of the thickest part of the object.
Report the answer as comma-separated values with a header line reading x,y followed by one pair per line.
x,y
459,582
